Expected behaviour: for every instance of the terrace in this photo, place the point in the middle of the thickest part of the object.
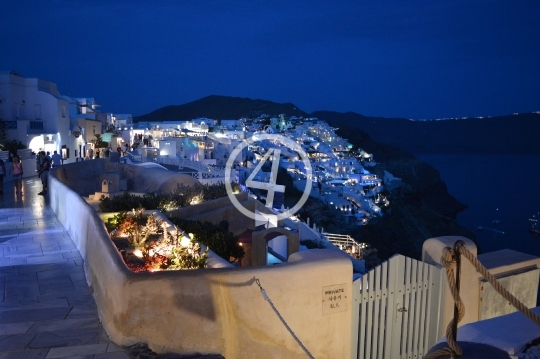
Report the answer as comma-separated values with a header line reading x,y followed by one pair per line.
x,y
204,305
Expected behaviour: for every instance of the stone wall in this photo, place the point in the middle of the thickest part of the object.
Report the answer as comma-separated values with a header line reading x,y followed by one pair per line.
x,y
212,310
83,177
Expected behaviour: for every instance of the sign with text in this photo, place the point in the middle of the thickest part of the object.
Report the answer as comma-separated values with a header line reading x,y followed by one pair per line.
x,y
334,298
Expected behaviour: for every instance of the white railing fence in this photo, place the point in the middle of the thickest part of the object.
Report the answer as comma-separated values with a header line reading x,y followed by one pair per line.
x,y
396,310
348,244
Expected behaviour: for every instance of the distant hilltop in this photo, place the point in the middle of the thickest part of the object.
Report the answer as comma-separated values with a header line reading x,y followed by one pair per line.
x,y
509,134
220,108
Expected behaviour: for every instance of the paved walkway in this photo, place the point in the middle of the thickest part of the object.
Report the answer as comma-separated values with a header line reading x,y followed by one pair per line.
x,y
46,308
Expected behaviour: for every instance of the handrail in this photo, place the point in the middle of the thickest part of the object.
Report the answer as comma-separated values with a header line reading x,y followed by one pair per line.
x,y
347,244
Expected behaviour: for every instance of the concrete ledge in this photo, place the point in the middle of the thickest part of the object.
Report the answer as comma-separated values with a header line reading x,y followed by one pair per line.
x,y
498,263
509,333
209,310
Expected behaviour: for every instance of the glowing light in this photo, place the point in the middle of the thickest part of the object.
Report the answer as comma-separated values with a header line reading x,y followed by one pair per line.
x,y
185,241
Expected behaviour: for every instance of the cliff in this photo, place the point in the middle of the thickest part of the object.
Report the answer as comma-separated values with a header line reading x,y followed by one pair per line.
x,y
419,209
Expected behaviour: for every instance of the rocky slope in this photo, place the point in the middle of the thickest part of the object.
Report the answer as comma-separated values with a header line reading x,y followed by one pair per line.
x,y
419,209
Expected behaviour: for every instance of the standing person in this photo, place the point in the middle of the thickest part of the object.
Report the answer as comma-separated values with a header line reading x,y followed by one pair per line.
x,y
17,170
2,175
56,160
44,173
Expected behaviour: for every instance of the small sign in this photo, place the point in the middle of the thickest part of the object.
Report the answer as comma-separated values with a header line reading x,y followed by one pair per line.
x,y
334,298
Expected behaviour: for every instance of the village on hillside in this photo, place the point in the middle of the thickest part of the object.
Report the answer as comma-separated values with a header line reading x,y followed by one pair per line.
x,y
333,171
238,257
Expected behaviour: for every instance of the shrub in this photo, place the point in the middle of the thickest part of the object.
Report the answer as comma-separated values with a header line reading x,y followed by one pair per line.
x,y
181,197
12,146
190,257
98,142
135,226
222,242
126,202
164,253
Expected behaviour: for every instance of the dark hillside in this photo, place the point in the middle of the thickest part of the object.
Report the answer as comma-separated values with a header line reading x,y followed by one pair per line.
x,y
220,107
513,134
420,209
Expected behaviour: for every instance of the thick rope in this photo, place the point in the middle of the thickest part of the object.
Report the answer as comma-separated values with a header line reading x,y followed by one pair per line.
x,y
448,261
265,296
498,287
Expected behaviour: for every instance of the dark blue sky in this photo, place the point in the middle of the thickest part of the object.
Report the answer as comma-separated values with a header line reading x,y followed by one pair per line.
x,y
413,59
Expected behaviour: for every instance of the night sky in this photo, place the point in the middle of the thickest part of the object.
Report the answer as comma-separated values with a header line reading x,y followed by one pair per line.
x,y
412,59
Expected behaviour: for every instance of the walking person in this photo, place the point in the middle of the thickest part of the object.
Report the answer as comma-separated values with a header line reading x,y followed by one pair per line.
x,y
2,175
44,173
56,160
17,171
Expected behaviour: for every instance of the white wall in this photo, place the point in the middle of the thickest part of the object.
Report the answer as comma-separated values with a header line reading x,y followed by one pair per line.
x,y
19,99
211,311
167,148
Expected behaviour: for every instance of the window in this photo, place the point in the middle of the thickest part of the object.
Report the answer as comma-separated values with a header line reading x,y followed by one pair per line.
x,y
10,125
36,125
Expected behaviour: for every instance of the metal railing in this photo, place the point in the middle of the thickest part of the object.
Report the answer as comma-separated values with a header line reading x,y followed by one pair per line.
x,y
347,244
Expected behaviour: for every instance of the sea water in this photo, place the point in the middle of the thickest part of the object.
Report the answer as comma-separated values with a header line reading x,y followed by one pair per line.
x,y
502,193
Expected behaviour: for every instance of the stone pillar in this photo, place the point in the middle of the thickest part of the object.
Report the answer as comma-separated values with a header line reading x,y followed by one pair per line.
x,y
246,261
432,251
293,243
259,249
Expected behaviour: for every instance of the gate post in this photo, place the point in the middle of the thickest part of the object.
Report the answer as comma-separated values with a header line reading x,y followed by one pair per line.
x,y
432,251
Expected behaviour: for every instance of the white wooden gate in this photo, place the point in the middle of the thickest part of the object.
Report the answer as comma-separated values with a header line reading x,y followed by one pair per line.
x,y
397,308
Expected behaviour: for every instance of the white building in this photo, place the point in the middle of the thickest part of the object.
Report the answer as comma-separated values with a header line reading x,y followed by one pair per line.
x,y
36,114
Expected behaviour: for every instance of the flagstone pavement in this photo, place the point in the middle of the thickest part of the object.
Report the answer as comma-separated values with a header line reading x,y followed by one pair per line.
x,y
46,307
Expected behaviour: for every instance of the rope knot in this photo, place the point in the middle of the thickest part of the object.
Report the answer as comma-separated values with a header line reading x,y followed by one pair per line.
x,y
448,259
